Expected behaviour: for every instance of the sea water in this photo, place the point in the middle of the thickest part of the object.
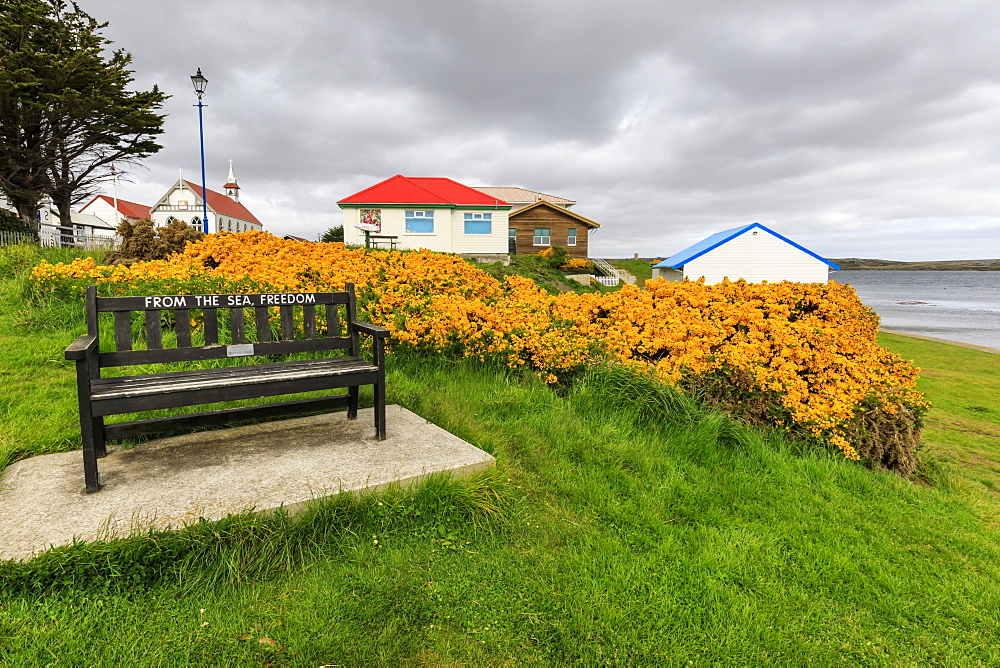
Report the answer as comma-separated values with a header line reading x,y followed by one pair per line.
x,y
954,305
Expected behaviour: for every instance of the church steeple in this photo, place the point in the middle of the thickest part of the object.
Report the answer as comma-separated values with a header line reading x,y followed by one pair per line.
x,y
232,188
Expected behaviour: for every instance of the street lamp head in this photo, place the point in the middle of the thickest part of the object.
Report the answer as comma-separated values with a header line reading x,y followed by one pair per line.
x,y
199,82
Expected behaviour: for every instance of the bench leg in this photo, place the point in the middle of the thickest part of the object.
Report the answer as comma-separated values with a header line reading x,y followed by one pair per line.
x,y
352,402
100,445
92,430
380,409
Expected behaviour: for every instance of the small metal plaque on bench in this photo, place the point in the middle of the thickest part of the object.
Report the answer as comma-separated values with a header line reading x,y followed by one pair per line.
x,y
241,350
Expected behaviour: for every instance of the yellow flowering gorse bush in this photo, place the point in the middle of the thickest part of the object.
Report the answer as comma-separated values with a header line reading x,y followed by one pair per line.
x,y
577,264
810,348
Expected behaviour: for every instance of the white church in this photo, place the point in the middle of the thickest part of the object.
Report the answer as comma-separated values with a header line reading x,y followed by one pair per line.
x,y
225,212
181,201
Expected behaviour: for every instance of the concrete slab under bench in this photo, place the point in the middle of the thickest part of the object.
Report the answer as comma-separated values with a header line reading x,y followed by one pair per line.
x,y
169,482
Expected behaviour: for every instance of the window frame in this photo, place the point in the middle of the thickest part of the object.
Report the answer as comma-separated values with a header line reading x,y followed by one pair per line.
x,y
574,237
426,215
536,236
477,218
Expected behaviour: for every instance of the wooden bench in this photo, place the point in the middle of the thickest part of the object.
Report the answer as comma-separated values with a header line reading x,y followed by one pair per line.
x,y
389,239
188,328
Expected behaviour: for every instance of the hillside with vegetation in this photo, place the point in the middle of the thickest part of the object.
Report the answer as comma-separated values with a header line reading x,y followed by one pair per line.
x,y
939,265
626,521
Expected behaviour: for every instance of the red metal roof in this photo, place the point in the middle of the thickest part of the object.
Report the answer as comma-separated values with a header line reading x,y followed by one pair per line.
x,y
224,205
432,191
128,209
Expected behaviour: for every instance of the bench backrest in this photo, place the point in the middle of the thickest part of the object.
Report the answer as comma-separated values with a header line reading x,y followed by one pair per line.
x,y
249,324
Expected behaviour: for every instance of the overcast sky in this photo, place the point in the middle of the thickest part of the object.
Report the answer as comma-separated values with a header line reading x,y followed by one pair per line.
x,y
856,128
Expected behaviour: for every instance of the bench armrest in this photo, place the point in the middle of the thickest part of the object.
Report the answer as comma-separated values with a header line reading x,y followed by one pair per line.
x,y
373,330
83,346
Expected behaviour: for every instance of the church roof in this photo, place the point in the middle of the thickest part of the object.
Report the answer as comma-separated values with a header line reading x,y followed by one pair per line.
x,y
221,204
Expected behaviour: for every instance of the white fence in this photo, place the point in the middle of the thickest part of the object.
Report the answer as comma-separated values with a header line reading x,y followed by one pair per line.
x,y
611,277
14,238
56,239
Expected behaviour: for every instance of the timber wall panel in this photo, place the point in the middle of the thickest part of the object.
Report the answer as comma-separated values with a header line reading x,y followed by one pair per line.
x,y
525,224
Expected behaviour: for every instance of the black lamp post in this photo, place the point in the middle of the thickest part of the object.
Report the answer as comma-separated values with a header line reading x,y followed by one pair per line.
x,y
200,83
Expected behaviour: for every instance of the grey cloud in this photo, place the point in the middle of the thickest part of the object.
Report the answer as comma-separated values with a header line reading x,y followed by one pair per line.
x,y
850,123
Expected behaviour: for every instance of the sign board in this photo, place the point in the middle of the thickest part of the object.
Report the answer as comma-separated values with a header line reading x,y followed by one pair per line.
x,y
371,220
253,300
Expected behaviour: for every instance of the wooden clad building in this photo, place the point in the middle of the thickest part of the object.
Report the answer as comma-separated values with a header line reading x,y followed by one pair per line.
x,y
542,224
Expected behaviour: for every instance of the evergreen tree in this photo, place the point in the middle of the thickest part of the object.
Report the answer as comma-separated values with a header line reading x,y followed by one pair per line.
x,y
65,108
333,234
24,25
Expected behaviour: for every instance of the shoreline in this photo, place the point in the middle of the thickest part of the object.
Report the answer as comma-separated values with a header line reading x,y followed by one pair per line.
x,y
985,349
868,264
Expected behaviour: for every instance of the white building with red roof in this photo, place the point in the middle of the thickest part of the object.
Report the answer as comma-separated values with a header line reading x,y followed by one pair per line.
x,y
103,207
427,212
225,212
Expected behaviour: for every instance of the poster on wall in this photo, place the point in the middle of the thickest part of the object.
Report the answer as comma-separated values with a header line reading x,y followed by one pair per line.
x,y
371,220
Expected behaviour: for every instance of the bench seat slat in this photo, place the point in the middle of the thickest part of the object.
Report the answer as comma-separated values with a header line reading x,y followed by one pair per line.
x,y
215,352
237,392
235,369
185,381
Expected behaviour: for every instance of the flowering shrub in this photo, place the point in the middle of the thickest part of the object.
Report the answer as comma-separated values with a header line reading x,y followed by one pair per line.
x,y
577,264
555,255
801,356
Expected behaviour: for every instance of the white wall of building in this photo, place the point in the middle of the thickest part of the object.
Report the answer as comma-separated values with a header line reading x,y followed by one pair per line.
x,y
449,230
106,212
757,256
493,243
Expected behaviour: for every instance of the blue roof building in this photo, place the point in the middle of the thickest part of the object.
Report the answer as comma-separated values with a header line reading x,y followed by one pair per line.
x,y
751,252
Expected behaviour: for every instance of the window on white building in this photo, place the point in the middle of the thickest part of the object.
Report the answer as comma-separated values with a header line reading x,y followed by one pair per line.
x,y
478,223
420,222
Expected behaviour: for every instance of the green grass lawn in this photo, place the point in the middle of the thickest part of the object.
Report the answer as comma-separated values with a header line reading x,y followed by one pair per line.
x,y
537,269
642,270
631,527
963,425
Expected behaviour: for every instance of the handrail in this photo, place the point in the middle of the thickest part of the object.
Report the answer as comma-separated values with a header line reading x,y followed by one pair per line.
x,y
607,270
